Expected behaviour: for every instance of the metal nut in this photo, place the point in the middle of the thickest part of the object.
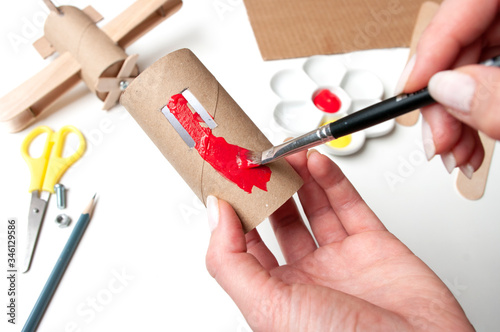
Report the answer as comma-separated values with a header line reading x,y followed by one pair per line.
x,y
63,220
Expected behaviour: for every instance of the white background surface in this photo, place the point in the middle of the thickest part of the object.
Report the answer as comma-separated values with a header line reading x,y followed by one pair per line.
x,y
148,227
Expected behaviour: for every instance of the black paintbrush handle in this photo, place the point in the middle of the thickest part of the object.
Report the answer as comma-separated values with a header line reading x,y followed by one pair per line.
x,y
387,109
380,112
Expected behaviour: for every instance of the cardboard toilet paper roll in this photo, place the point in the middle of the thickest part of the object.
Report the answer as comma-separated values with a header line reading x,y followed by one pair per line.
x,y
76,33
152,90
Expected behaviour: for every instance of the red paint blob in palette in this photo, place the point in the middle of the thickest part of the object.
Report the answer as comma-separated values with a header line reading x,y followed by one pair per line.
x,y
221,155
327,101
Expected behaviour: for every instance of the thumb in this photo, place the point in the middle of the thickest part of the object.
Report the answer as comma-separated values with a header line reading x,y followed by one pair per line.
x,y
238,272
472,95
227,239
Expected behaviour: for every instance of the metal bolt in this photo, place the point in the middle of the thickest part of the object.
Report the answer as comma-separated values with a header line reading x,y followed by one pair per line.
x,y
123,85
61,196
63,220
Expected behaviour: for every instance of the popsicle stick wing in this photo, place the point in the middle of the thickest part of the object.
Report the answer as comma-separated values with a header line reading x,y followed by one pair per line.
x,y
474,188
425,16
138,19
22,105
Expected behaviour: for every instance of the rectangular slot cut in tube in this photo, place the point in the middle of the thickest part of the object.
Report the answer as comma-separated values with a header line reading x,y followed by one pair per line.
x,y
198,108
178,127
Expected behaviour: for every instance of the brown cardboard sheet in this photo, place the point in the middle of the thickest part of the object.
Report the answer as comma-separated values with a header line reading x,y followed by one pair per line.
x,y
297,28
151,91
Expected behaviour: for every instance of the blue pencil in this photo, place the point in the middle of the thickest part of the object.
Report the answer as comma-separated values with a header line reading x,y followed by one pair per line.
x,y
58,271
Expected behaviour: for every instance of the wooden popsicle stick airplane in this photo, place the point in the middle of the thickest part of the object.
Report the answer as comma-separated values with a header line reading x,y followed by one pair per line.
x,y
86,52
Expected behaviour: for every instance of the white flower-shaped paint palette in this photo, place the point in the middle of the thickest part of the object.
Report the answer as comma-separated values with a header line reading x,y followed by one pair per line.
x,y
325,90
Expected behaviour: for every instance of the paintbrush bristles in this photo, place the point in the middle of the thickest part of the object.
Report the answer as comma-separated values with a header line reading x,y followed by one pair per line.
x,y
248,159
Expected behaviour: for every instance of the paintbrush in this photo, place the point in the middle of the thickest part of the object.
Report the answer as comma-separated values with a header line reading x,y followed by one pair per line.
x,y
368,117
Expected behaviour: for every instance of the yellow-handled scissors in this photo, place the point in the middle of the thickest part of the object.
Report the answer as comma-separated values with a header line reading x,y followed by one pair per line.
x,y
46,171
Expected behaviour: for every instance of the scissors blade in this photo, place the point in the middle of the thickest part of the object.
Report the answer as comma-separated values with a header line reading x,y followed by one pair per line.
x,y
35,218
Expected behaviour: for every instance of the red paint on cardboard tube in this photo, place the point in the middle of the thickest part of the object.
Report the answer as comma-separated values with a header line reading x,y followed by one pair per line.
x,y
327,101
216,151
151,91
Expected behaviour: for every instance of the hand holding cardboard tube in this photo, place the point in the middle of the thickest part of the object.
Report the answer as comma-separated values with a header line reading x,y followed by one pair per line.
x,y
359,278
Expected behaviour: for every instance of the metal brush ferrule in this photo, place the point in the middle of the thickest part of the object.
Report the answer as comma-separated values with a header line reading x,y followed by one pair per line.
x,y
306,141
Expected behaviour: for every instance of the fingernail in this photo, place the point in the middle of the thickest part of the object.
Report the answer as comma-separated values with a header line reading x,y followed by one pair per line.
x,y
427,140
405,75
310,152
468,170
453,89
213,212
449,161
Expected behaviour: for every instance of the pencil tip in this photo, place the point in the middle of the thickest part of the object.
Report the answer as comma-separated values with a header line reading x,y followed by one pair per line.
x,y
91,205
